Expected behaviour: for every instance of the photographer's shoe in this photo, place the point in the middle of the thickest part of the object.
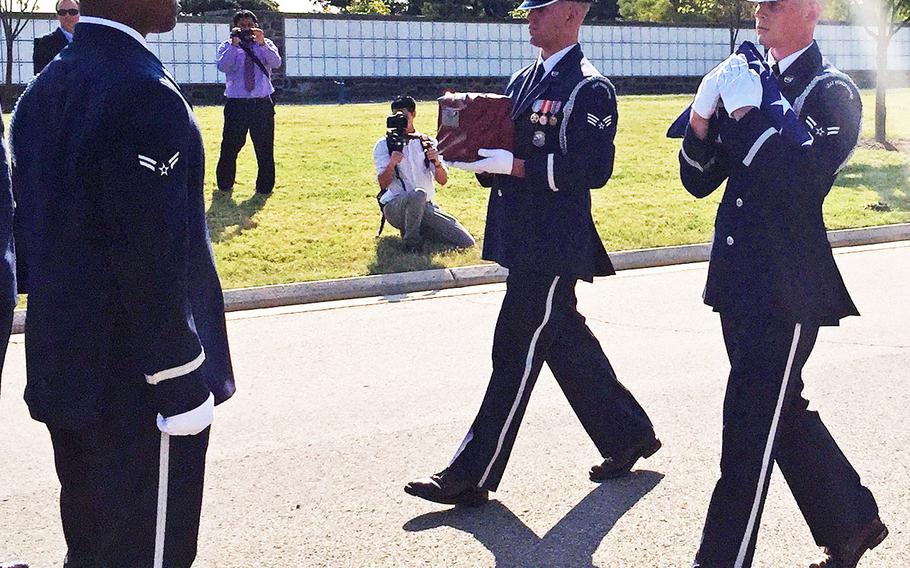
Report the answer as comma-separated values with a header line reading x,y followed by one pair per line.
x,y
847,555
437,490
618,466
13,564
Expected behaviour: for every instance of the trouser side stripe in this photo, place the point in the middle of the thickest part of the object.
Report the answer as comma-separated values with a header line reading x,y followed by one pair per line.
x,y
529,364
163,467
766,459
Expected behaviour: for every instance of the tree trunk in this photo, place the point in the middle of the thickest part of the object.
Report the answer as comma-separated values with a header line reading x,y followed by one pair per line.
x,y
9,59
881,83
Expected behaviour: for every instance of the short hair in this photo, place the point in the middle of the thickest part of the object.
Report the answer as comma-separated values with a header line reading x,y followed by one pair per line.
x,y
57,5
241,14
406,102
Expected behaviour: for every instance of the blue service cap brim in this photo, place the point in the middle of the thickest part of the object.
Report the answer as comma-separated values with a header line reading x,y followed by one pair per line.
x,y
531,4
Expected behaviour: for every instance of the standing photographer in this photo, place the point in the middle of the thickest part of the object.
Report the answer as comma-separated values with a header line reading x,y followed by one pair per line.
x,y
407,163
247,59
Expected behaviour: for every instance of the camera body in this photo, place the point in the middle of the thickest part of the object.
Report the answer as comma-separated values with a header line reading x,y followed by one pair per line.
x,y
245,36
397,136
396,131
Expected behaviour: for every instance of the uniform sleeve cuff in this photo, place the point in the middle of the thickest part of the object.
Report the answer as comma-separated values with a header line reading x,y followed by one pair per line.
x,y
175,372
696,152
541,172
744,139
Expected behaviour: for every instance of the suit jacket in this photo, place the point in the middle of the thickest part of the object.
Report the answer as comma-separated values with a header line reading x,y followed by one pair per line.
x,y
771,253
47,47
108,178
542,222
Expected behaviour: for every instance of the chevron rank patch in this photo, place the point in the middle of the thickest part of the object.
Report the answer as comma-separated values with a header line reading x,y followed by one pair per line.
x,y
598,122
817,130
163,169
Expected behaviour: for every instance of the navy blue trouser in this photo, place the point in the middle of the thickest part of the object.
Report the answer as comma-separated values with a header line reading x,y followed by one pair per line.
x,y
6,328
767,421
111,497
256,116
539,323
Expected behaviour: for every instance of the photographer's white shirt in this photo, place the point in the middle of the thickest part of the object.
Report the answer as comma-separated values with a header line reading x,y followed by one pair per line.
x,y
412,169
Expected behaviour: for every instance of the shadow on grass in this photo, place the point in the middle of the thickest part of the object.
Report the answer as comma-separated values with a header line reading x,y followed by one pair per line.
x,y
571,542
228,219
390,257
890,181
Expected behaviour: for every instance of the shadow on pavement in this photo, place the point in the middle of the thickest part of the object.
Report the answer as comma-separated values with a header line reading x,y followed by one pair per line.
x,y
572,542
228,219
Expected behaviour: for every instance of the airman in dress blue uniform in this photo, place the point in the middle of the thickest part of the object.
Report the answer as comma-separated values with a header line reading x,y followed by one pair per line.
x,y
539,226
7,253
126,346
773,279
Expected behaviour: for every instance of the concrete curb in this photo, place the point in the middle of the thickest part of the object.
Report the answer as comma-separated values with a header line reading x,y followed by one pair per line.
x,y
440,279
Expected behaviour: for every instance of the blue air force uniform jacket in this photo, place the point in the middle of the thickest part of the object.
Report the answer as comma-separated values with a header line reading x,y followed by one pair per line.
x,y
7,249
542,223
108,178
770,254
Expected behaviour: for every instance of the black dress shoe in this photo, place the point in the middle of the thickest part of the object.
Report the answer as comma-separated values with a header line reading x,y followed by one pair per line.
x,y
619,466
847,555
435,489
14,564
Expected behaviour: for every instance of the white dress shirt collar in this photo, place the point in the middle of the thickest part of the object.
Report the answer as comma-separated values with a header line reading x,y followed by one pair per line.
x,y
550,62
117,26
788,60
67,35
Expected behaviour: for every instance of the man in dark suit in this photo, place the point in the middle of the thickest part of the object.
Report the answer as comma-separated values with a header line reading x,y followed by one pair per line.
x,y
773,279
126,345
539,226
48,46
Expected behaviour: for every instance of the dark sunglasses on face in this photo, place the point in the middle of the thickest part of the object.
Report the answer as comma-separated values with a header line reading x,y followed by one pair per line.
x,y
69,12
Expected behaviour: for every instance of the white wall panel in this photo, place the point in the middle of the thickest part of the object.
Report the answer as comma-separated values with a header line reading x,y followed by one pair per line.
x,y
317,47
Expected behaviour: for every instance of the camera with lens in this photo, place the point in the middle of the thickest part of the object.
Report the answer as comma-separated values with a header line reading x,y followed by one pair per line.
x,y
245,36
396,131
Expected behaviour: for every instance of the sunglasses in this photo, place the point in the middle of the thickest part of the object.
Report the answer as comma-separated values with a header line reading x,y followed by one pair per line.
x,y
69,12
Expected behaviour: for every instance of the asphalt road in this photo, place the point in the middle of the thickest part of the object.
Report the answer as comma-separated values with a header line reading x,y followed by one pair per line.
x,y
340,404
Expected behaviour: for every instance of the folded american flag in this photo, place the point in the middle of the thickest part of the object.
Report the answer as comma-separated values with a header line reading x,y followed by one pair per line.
x,y
773,104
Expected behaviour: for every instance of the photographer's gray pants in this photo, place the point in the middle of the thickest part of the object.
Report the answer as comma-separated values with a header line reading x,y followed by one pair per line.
x,y
416,217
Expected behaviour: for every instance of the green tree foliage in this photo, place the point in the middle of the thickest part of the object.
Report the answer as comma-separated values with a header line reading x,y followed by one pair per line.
x,y
454,9
837,11
199,7
730,13
649,10
385,7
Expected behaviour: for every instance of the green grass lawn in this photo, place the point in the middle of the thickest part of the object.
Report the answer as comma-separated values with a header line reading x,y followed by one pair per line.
x,y
322,220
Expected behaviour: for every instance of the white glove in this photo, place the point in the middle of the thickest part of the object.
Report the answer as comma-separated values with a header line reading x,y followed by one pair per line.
x,y
740,87
708,95
707,98
494,161
189,423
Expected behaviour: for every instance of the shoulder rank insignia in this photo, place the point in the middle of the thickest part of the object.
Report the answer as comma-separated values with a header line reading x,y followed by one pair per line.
x,y
818,130
161,168
600,123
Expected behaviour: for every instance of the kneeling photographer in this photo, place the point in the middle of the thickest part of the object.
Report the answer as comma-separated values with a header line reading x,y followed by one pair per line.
x,y
407,164
247,59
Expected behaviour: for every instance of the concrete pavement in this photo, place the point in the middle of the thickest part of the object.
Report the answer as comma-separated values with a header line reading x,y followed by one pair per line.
x,y
340,403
